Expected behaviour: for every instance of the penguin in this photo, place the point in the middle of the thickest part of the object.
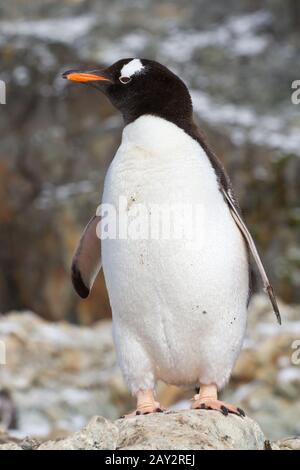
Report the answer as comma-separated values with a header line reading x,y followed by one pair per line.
x,y
179,308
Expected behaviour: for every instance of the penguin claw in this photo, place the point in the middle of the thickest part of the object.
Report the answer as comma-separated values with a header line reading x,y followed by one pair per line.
x,y
146,411
217,405
224,410
241,412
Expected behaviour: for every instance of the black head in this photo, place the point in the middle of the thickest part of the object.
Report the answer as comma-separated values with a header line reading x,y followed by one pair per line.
x,y
140,86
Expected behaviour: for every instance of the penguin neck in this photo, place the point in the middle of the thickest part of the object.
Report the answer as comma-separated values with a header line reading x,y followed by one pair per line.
x,y
158,136
172,105
186,124
182,118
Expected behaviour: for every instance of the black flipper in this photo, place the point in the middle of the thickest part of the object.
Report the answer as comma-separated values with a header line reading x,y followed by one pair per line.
x,y
226,189
87,259
245,232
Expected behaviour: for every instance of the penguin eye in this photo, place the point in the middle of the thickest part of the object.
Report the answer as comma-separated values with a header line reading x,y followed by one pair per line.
x,y
125,80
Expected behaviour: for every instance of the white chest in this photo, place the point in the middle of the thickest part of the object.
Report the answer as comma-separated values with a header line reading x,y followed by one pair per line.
x,y
158,162
166,292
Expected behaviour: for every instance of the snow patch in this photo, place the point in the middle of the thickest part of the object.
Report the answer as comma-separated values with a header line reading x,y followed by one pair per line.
x,y
239,34
290,374
246,125
268,329
64,30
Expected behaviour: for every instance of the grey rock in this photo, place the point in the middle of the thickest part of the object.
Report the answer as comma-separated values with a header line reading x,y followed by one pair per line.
x,y
59,376
184,430
189,430
290,443
98,434
10,446
266,380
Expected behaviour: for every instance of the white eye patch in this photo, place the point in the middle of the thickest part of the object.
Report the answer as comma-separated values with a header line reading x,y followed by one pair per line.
x,y
131,68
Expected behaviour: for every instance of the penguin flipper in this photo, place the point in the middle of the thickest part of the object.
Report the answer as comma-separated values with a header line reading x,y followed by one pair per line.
x,y
86,261
247,236
226,189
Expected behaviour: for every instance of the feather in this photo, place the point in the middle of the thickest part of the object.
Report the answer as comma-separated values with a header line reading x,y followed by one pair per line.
x,y
87,259
245,232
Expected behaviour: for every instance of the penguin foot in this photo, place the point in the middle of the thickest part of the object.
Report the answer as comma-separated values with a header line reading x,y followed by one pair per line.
x,y
145,409
146,404
218,405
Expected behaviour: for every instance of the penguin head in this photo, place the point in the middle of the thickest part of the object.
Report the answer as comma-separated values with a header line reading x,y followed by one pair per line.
x,y
139,86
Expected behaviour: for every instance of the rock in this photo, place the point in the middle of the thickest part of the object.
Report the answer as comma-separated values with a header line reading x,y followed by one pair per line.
x,y
190,430
29,444
290,443
59,375
98,434
266,379
10,446
185,430
8,442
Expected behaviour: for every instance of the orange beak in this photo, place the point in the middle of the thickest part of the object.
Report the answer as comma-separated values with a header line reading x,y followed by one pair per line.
x,y
83,77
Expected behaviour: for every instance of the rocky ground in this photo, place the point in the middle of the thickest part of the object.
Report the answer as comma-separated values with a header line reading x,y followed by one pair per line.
x,y
58,376
266,379
177,430
181,430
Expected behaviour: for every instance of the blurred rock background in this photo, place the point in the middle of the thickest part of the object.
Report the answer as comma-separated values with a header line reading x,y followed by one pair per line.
x,y
58,376
239,58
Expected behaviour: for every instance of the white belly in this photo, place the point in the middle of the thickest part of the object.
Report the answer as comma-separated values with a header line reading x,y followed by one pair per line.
x,y
179,306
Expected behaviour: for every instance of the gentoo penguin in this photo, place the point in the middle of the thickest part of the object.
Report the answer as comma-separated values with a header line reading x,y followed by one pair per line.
x,y
179,307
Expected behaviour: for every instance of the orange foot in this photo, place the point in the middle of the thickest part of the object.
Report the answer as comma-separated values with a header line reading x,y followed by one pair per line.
x,y
145,404
145,409
214,404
